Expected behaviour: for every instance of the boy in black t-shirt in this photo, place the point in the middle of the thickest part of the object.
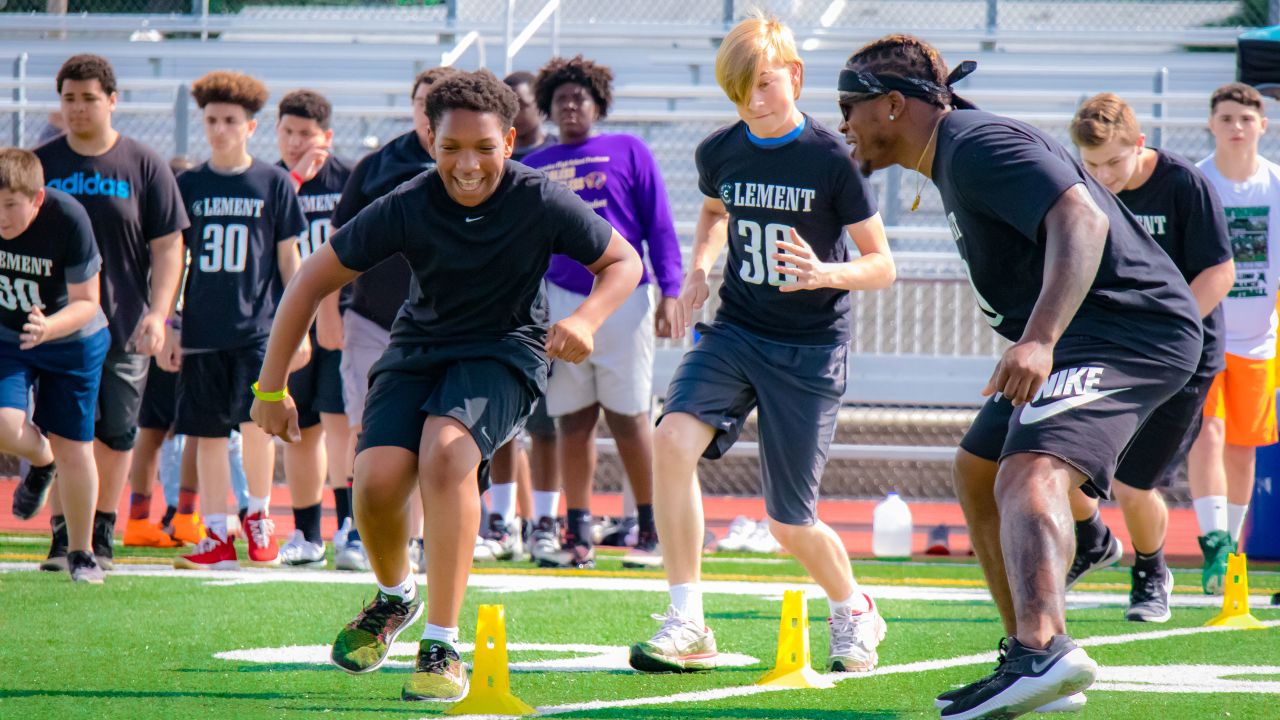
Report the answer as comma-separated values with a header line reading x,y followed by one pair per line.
x,y
1094,309
246,220
468,356
1180,210
304,137
53,337
133,203
370,306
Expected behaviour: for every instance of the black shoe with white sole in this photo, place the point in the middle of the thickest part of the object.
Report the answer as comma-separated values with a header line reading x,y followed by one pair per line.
x,y
1024,681
1087,560
1149,597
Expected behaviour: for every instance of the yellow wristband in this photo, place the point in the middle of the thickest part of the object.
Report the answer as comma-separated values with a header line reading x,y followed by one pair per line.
x,y
276,396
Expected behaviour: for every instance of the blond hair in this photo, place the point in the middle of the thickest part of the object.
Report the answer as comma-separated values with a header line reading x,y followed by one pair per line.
x,y
756,40
1103,118
21,172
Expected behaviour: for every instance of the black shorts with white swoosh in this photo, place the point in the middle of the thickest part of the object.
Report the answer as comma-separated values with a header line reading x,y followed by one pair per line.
x,y
1096,399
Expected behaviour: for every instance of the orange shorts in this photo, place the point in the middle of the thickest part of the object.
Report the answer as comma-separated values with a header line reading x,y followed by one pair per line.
x,y
1244,396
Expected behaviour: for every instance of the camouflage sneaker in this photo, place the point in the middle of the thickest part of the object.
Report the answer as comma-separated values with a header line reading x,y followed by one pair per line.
x,y
362,645
680,645
1215,546
438,674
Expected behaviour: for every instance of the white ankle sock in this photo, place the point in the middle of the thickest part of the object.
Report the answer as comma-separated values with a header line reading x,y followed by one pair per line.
x,y
406,589
443,634
687,598
857,602
546,503
258,505
217,525
1235,520
502,500
1211,513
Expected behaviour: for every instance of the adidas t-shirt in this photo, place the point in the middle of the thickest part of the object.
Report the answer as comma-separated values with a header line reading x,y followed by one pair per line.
x,y
233,276
57,250
1252,212
479,269
131,197
808,183
1181,212
998,178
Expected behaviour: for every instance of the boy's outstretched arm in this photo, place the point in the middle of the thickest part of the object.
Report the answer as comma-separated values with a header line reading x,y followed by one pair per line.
x,y
617,274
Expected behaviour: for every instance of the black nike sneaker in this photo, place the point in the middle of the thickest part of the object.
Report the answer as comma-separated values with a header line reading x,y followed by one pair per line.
x,y
1087,560
104,531
1149,597
56,561
31,493
1025,680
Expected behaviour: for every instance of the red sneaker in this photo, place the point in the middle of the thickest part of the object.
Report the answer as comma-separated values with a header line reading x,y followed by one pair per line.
x,y
263,549
212,553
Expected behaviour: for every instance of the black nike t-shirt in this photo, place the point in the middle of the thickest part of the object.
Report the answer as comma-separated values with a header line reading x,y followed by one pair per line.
x,y
36,267
1180,210
998,179
479,269
379,293
808,183
319,197
132,198
519,154
233,276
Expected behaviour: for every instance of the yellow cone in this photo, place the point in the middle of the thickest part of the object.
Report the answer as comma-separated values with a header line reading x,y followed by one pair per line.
x,y
490,692
1235,598
791,669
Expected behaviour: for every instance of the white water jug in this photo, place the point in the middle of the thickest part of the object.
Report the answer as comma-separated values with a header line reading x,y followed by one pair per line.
x,y
891,528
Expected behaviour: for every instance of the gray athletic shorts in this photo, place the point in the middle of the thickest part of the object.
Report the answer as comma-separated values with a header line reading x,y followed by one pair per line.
x,y
797,388
363,342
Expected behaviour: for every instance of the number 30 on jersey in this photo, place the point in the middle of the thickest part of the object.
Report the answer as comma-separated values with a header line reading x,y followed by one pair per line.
x,y
760,245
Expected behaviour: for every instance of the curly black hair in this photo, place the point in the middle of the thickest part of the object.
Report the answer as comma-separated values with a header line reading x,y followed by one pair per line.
x,y
598,79
225,86
480,91
308,105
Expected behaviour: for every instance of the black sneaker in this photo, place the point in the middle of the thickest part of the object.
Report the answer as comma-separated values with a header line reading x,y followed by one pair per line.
x,y
83,568
1024,681
57,558
104,530
31,493
1149,597
1088,560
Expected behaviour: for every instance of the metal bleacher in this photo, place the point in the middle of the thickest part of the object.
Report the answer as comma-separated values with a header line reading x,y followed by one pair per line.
x,y
921,351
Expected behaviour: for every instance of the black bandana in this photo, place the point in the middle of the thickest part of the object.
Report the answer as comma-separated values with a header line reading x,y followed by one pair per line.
x,y
863,82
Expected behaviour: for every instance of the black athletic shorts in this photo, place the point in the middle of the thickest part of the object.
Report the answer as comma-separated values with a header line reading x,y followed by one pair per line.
x,y
159,400
317,387
490,387
1097,397
124,377
797,388
215,390
540,424
1167,436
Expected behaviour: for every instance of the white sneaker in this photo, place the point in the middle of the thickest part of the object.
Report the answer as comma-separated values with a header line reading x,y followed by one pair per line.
x,y
340,535
501,541
481,553
762,541
854,638
681,645
544,543
417,555
351,557
739,532
297,552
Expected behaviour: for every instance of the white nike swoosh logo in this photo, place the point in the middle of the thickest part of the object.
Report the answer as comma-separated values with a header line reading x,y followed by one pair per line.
x,y
1038,666
1032,415
471,220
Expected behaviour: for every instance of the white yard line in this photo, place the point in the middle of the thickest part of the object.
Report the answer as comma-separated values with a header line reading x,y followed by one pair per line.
x,y
915,667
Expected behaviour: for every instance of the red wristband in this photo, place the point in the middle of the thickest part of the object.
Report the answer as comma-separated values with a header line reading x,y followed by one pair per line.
x,y
297,177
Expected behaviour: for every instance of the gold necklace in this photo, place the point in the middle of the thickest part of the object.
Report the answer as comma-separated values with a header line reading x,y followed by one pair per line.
x,y
915,205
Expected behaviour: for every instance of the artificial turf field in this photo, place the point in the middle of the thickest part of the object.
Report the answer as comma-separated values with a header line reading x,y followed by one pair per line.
x,y
158,643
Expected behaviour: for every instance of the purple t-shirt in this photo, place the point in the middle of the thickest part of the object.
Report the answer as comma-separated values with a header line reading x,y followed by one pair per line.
x,y
617,176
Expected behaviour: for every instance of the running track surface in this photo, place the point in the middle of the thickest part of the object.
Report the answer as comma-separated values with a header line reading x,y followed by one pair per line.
x,y
850,518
